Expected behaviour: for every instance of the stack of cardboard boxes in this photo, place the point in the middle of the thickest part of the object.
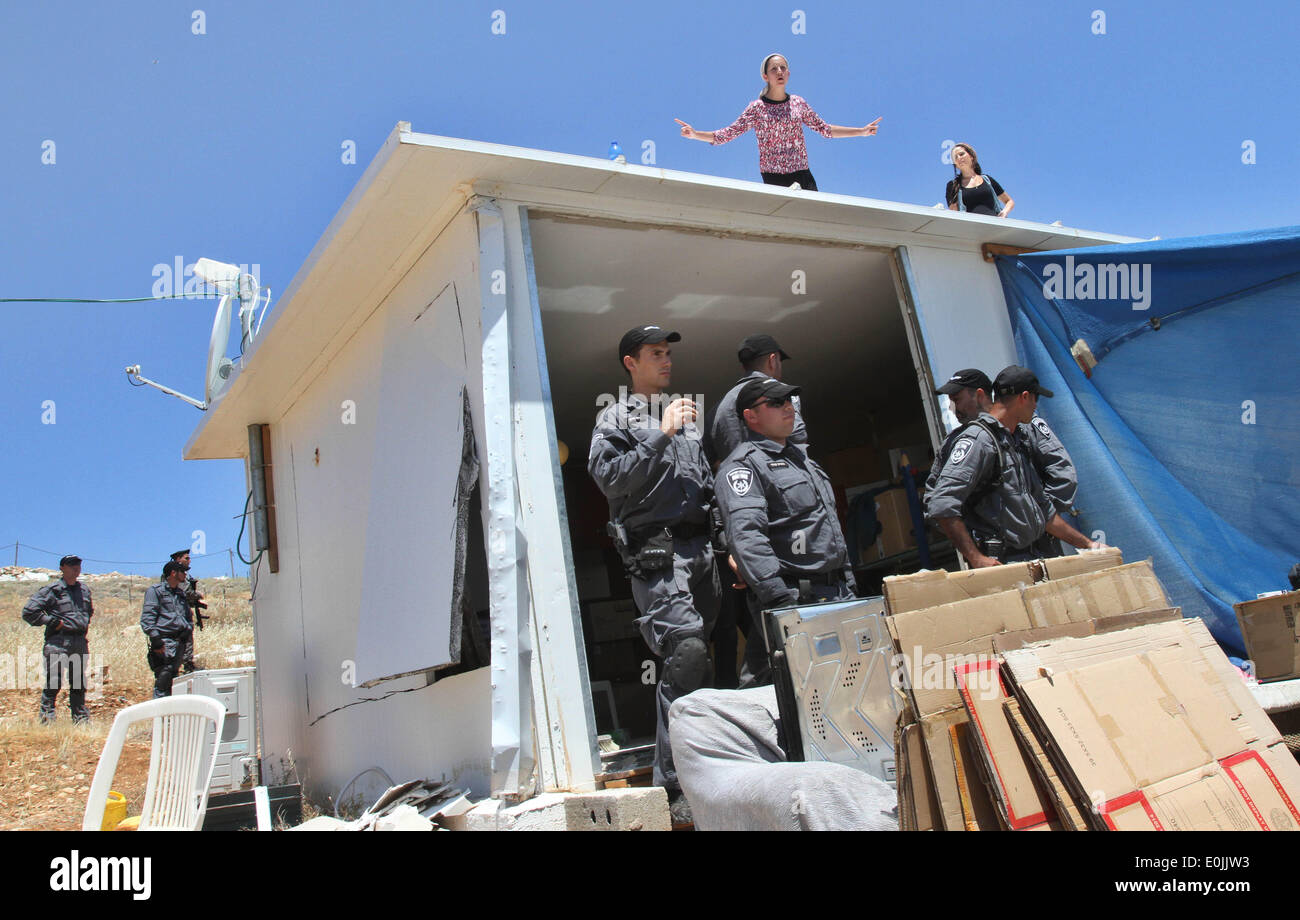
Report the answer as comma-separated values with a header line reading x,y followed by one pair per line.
x,y
1069,695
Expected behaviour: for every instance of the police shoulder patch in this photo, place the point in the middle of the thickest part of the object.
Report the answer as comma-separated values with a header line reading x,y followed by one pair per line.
x,y
740,479
960,450
1042,427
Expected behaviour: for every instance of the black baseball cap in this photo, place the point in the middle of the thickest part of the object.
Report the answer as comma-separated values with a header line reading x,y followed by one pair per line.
x,y
972,378
757,345
642,335
1014,380
762,388
70,560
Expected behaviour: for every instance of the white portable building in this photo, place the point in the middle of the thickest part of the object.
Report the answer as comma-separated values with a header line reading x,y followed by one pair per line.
x,y
463,274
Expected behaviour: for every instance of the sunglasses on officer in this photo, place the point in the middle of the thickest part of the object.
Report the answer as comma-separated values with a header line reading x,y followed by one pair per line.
x,y
773,402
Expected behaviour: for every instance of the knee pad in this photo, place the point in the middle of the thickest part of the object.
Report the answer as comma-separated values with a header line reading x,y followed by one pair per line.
x,y
688,667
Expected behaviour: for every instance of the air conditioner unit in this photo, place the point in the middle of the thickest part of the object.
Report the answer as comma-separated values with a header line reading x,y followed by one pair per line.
x,y
234,688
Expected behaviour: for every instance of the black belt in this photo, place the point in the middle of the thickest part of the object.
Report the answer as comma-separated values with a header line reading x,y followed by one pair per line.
x,y
680,531
824,579
66,632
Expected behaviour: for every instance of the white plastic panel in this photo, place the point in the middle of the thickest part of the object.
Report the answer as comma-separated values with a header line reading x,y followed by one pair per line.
x,y
407,578
962,312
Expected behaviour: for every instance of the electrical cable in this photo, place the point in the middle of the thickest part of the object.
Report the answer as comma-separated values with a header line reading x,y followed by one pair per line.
x,y
243,519
195,296
379,770
50,552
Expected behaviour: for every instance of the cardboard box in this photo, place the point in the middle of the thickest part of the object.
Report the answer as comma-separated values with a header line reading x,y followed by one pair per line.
x,y
854,466
933,588
932,643
918,805
1062,655
1097,594
612,620
897,533
978,811
1069,814
1022,802
1272,639
1083,562
1039,635
943,770
871,553
935,640
1154,729
917,591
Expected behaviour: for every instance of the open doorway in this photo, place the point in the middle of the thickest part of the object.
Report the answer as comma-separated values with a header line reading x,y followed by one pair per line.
x,y
834,308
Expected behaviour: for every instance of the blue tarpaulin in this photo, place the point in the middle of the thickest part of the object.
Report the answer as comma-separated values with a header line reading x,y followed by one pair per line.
x,y
1186,434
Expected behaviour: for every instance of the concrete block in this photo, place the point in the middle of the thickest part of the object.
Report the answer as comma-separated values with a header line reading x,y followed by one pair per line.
x,y
643,808
632,809
483,816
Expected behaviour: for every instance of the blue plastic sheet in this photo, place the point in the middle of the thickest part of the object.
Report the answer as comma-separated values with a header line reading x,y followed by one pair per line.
x,y
1187,433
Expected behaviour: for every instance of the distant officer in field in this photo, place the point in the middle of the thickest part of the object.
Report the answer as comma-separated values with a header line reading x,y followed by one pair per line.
x,y
648,461
761,357
193,598
166,623
987,498
778,510
969,392
64,609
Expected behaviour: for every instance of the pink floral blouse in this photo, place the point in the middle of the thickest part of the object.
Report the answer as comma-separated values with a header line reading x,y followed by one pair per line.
x,y
779,126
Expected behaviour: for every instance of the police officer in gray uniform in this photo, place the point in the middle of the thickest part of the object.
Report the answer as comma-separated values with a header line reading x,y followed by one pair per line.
x,y
968,390
1055,471
778,510
64,608
647,459
165,620
987,498
761,357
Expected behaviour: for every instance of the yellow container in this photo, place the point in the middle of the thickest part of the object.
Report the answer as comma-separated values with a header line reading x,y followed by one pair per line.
x,y
114,811
130,824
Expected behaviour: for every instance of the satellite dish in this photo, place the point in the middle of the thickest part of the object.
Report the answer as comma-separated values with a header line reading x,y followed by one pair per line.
x,y
233,285
218,366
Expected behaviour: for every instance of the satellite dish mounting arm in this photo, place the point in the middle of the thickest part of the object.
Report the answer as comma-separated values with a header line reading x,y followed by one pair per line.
x,y
219,367
134,371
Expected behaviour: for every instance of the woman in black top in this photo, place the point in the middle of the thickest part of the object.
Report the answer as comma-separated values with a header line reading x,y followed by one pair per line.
x,y
980,194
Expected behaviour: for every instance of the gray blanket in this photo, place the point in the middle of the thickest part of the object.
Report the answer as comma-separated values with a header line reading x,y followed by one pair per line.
x,y
736,778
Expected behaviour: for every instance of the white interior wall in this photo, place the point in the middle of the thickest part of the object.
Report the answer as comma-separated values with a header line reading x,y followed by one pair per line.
x,y
833,308
308,614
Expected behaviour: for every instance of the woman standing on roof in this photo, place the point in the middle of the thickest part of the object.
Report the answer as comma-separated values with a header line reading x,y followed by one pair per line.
x,y
979,194
778,117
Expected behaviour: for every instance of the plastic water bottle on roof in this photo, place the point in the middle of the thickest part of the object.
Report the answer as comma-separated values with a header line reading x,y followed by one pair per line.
x,y
616,152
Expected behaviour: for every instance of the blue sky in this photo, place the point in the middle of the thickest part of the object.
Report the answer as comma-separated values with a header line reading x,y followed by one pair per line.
x,y
228,144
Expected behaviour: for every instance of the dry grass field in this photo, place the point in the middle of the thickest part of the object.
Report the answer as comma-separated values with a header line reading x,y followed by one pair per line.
x,y
45,771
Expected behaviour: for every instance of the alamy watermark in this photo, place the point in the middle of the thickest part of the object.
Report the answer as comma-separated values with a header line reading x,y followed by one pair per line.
x,y
25,669
75,872
932,671
178,279
647,412
1105,281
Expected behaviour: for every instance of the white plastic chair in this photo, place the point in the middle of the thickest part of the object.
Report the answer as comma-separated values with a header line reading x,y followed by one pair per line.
x,y
179,772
